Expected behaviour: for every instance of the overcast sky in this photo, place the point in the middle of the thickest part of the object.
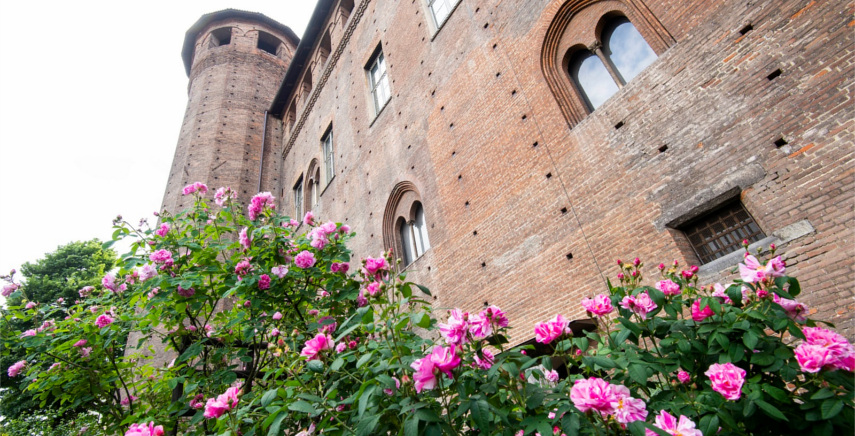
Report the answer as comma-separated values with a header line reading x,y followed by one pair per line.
x,y
92,96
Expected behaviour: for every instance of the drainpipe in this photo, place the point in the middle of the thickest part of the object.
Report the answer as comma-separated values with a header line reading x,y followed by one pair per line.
x,y
263,140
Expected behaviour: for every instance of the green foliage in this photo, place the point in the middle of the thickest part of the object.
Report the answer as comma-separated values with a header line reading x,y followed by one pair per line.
x,y
268,335
60,274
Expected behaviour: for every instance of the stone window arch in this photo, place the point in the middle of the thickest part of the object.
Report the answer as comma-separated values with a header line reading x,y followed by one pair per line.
x,y
405,225
585,58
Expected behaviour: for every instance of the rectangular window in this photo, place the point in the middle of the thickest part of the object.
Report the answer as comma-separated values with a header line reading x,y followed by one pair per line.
x,y
721,231
441,9
379,82
298,199
326,144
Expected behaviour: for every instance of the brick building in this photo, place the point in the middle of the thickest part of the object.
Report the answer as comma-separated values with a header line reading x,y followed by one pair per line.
x,y
511,150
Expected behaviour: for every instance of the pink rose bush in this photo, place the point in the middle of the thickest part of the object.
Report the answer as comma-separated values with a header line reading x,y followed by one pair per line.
x,y
323,348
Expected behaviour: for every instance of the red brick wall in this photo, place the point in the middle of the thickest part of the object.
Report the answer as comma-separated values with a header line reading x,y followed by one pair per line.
x,y
469,103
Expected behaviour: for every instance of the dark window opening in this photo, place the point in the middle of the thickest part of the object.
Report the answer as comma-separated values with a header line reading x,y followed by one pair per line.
x,y
324,49
268,43
221,36
721,231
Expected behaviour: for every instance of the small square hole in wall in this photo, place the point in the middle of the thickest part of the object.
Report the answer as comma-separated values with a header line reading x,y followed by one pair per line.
x,y
774,74
780,142
619,125
563,210
746,29
483,264
663,148
548,175
569,256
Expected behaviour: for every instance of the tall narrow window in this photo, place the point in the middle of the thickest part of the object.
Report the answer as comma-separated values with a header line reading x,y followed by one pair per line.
x,y
592,78
379,82
327,146
404,232
315,186
420,234
298,199
441,9
626,48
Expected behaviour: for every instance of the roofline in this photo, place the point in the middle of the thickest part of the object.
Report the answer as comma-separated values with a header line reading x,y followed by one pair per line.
x,y
301,55
187,51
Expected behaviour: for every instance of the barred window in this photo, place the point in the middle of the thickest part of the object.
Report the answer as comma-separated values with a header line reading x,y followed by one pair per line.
x,y
721,231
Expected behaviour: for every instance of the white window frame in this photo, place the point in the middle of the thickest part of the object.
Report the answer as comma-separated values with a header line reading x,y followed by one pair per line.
x,y
329,155
378,79
414,236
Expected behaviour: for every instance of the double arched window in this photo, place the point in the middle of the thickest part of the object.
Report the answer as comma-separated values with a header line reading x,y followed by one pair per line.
x,y
413,235
405,226
592,48
601,69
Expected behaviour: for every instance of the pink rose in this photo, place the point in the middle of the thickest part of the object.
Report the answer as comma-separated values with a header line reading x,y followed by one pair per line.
x,y
374,266
186,293
640,304
340,347
485,360
259,203
31,305
103,320
109,282
668,287
80,343
305,259
593,394
9,289
670,424
243,238
222,195
496,316
145,429
626,408
309,218
726,379
215,408
812,358
314,346
480,326
599,305
16,368
279,271
551,375
795,310
161,256
546,332
454,331
424,376
243,268
445,359
264,282
163,230
684,377
277,316
699,315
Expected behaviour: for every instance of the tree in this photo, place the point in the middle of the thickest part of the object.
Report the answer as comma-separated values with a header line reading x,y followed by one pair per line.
x,y
60,274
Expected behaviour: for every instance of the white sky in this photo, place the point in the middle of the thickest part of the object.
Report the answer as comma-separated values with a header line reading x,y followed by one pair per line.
x,y
92,96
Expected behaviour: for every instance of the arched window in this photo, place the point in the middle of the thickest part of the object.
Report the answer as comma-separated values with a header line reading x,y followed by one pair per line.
x,y
608,64
626,48
405,226
592,78
589,52
313,185
413,234
298,198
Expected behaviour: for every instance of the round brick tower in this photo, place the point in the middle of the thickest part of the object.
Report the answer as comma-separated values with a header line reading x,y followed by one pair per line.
x,y
236,61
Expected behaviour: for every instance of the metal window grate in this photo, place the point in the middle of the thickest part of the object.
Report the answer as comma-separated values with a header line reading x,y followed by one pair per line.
x,y
722,231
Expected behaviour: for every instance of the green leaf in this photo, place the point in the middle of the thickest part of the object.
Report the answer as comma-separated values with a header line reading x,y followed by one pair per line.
x,y
337,364
365,358
365,398
831,407
480,413
776,393
191,352
638,373
366,425
604,362
424,289
427,415
411,426
268,397
771,410
708,424
315,366
302,406
570,423
750,340
822,394
277,423
535,398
